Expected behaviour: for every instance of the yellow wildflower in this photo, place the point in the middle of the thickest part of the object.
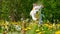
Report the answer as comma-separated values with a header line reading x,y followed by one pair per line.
x,y
49,27
26,29
57,32
39,32
29,28
58,24
46,25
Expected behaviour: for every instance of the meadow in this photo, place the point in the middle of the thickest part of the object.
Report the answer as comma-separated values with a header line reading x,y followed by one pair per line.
x,y
29,28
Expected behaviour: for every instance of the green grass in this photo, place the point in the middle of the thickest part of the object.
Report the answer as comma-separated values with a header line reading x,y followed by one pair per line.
x,y
32,31
45,28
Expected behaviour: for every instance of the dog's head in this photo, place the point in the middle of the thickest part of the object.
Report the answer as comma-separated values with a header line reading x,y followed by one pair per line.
x,y
42,6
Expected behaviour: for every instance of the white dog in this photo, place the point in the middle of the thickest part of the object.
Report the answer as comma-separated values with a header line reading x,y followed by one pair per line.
x,y
34,10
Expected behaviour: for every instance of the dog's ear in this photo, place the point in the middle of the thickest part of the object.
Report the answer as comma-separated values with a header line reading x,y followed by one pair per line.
x,y
42,6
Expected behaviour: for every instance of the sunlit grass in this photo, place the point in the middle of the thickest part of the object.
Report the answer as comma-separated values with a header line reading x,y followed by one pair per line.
x,y
32,28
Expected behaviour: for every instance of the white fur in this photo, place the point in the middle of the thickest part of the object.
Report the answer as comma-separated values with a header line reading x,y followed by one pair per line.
x,y
33,11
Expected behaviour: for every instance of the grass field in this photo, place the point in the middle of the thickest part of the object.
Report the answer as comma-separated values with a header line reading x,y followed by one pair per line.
x,y
44,29
33,28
